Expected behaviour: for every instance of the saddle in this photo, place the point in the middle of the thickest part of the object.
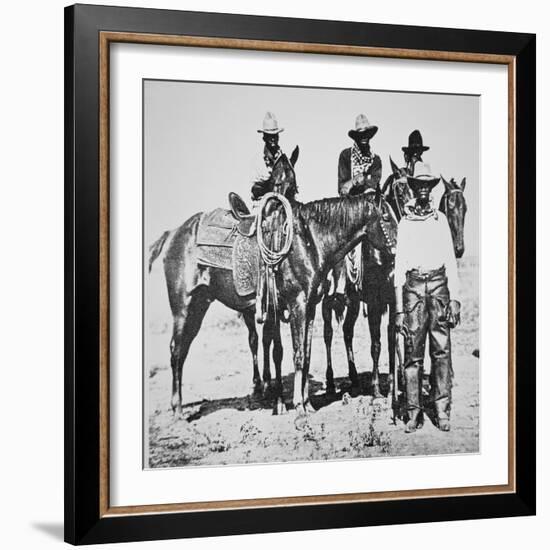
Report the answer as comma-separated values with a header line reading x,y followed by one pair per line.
x,y
246,225
226,240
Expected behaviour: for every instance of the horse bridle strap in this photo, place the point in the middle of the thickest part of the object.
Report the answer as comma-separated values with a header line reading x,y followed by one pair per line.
x,y
447,193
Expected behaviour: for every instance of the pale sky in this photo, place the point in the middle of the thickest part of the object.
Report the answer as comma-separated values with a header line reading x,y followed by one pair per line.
x,y
200,142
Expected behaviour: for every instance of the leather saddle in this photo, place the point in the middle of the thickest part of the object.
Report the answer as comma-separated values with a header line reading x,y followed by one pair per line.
x,y
246,221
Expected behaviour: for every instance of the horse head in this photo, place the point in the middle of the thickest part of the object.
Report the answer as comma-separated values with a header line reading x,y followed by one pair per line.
x,y
384,234
453,205
396,189
283,176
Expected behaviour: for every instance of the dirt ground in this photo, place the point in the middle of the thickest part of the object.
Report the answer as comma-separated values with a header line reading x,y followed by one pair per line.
x,y
225,424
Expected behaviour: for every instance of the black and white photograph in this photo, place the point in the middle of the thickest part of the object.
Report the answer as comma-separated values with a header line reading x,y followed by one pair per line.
x,y
310,274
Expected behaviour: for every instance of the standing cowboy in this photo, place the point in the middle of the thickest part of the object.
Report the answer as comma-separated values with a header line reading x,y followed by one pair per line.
x,y
359,171
426,288
272,151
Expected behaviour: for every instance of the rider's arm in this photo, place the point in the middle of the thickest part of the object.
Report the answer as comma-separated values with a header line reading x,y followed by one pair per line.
x,y
374,173
344,173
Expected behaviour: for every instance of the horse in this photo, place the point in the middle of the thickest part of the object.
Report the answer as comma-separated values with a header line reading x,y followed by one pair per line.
x,y
324,232
376,290
282,179
377,278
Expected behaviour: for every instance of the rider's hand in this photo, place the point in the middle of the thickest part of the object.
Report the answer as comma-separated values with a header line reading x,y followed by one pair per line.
x,y
453,313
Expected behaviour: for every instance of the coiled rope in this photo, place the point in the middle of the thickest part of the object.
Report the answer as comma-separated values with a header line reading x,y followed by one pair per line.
x,y
270,256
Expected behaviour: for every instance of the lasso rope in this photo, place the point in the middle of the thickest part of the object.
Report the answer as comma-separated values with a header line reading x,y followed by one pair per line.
x,y
272,257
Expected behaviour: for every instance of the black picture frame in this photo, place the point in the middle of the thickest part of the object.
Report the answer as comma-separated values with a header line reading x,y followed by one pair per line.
x,y
84,522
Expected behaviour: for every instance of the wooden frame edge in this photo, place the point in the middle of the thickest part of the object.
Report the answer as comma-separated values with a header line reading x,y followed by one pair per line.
x,y
105,39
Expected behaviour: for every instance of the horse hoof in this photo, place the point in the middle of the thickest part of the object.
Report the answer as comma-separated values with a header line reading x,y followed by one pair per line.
x,y
279,407
309,408
178,415
377,394
410,427
444,425
301,421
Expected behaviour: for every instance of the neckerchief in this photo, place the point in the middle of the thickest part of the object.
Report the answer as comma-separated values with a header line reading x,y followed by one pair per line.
x,y
360,163
415,213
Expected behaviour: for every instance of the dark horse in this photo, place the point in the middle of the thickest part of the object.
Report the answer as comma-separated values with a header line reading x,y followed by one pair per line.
x,y
323,233
376,290
282,179
377,284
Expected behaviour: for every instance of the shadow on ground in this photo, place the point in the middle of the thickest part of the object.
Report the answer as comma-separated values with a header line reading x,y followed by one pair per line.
x,y
319,397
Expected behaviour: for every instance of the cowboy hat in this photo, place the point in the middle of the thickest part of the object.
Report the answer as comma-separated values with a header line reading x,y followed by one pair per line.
x,y
362,126
415,143
422,175
270,125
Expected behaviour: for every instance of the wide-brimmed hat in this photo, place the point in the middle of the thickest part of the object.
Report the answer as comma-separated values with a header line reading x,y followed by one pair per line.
x,y
415,143
362,126
270,125
422,175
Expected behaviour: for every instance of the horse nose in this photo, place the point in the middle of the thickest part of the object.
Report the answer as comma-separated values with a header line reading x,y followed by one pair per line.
x,y
459,251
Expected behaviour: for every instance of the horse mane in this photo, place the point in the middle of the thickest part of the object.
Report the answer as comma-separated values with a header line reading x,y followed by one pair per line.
x,y
335,213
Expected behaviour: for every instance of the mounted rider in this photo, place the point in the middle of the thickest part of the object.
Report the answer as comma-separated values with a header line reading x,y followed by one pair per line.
x,y
359,171
272,151
427,290
412,153
274,231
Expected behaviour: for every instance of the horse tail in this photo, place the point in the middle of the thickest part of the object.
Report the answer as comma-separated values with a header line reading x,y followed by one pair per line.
x,y
156,248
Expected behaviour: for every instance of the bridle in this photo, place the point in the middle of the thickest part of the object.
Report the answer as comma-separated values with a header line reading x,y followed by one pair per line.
x,y
383,205
277,186
446,196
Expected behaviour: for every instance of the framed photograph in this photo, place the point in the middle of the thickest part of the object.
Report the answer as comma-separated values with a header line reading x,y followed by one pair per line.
x,y
300,274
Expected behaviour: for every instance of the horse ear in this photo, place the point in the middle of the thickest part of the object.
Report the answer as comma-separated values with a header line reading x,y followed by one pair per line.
x,y
445,182
294,155
394,167
463,184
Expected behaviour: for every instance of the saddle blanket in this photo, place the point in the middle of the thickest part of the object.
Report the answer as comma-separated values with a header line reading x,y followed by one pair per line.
x,y
220,245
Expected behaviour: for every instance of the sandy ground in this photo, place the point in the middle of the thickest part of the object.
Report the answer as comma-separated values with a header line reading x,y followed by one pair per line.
x,y
225,424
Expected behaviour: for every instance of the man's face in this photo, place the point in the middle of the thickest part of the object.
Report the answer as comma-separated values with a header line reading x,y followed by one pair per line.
x,y
422,192
272,141
363,141
413,156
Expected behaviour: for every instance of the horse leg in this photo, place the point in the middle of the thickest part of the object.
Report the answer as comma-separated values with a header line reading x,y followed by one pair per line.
x,y
375,318
278,360
348,328
298,329
186,328
267,339
307,357
248,316
391,343
327,333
